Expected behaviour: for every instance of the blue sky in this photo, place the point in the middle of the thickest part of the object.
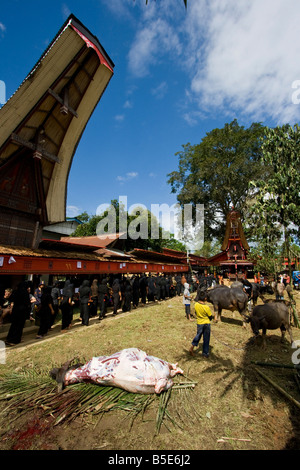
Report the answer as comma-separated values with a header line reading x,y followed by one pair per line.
x,y
178,74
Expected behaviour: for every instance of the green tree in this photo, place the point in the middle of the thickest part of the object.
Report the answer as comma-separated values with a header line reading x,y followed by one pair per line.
x,y
277,198
88,228
169,241
217,172
209,248
83,217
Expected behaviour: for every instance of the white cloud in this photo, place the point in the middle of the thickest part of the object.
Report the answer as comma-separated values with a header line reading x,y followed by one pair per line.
x,y
65,10
247,61
73,211
119,117
120,8
128,104
239,56
156,38
160,91
128,176
2,28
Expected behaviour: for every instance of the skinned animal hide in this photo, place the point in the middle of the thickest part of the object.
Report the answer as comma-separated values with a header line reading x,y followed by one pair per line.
x,y
130,369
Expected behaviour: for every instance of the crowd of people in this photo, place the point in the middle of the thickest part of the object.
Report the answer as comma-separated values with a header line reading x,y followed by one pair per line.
x,y
43,304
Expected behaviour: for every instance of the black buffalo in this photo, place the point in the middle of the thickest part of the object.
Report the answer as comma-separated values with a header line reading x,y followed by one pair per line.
x,y
270,316
259,290
228,298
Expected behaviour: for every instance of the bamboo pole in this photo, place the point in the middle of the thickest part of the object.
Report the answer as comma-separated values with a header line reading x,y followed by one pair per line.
x,y
296,319
270,364
283,392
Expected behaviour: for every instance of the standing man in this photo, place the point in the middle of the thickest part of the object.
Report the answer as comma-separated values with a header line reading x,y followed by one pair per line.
x,y
84,296
116,294
94,298
204,317
103,296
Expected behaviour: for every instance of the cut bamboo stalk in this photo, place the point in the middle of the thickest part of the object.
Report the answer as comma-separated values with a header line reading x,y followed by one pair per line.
x,y
233,439
287,395
274,364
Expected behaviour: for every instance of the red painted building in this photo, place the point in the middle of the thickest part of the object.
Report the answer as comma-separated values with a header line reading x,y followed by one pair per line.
x,y
234,259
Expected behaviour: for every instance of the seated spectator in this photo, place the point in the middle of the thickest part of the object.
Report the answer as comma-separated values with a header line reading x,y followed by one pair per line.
x,y
6,305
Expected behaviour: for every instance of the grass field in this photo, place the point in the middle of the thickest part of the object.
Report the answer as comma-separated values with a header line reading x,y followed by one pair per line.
x,y
232,407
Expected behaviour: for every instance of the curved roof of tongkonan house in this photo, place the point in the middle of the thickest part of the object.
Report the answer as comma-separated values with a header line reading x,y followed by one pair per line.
x,y
43,121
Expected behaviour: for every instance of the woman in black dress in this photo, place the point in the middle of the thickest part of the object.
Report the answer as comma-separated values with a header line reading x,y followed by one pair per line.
x,y
116,294
66,306
21,310
45,313
127,297
84,296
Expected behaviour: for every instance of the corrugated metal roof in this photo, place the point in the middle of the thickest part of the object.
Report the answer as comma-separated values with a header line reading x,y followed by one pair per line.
x,y
99,241
43,253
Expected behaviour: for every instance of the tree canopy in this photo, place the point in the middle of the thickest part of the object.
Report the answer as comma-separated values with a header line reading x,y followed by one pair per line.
x,y
217,172
276,207
141,228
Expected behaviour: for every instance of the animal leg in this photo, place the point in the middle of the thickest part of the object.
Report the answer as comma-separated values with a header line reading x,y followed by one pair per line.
x,y
282,334
264,339
242,312
283,330
217,312
290,333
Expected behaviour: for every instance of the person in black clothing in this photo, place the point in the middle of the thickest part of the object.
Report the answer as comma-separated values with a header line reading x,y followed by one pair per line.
x,y
21,310
84,296
94,298
66,306
55,294
151,289
247,287
116,294
178,284
127,297
135,291
46,312
143,288
162,287
168,285
158,287
103,297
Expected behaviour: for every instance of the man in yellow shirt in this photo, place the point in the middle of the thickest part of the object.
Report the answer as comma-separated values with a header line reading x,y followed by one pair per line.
x,y
204,317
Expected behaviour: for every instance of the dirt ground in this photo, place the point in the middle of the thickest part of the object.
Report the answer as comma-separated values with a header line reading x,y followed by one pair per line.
x,y
232,407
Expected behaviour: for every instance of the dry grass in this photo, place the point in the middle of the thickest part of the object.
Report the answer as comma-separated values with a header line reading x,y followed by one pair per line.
x,y
231,407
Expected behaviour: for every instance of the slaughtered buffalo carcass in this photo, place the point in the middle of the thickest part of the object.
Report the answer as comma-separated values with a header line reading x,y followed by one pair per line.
x,y
130,369
228,298
271,316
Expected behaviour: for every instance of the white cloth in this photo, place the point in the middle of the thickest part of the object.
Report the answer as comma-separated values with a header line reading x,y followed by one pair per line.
x,y
186,300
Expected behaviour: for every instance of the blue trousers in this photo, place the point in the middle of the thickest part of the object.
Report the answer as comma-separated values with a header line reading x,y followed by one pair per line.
x,y
204,330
